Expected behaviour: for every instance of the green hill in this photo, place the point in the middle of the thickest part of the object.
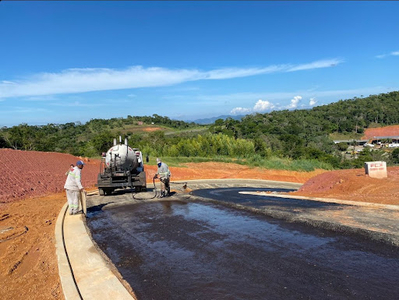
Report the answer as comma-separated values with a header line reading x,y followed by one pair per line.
x,y
283,136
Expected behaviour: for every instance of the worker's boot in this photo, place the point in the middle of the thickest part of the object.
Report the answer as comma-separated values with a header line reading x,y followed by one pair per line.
x,y
162,194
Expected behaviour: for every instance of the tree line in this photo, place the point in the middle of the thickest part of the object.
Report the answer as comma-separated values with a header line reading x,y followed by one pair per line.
x,y
294,135
87,139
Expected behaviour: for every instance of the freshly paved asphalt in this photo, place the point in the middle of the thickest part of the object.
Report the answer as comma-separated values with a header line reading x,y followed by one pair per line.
x,y
87,274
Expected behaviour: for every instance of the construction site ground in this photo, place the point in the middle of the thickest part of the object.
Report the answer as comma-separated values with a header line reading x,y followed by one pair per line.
x,y
31,197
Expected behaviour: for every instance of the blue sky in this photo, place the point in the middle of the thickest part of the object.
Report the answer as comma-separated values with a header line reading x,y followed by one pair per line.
x,y
75,61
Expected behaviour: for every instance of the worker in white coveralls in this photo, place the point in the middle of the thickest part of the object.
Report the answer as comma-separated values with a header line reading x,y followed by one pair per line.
x,y
164,175
73,186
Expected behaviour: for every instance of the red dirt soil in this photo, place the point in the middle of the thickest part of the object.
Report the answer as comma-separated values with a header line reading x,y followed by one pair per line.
x,y
150,129
382,131
31,197
354,185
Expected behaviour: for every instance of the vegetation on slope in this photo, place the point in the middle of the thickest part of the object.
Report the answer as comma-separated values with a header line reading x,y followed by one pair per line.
x,y
299,139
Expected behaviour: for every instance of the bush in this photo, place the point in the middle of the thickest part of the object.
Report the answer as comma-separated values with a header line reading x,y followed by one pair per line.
x,y
342,146
395,156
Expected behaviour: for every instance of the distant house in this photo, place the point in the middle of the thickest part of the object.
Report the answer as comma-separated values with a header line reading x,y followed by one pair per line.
x,y
140,123
390,141
387,136
357,142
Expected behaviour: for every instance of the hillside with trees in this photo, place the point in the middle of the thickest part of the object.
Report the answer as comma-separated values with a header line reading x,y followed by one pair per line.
x,y
278,139
307,134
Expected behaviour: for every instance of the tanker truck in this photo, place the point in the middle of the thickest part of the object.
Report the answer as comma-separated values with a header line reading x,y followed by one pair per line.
x,y
121,167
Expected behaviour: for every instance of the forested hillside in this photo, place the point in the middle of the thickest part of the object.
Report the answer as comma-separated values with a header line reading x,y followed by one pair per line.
x,y
89,139
307,133
277,136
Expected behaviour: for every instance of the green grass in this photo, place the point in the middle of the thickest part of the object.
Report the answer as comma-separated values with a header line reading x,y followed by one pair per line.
x,y
340,136
273,163
180,161
186,131
169,131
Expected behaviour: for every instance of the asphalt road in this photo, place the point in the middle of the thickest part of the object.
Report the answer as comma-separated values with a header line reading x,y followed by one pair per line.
x,y
187,247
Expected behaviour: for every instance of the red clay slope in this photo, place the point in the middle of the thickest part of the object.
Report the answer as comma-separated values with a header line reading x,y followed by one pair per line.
x,y
27,174
382,131
30,173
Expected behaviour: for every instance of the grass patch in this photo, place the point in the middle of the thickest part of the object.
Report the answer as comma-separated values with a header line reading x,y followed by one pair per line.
x,y
273,163
187,131
180,161
349,136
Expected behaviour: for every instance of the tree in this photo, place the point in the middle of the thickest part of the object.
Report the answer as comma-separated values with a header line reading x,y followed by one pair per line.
x,y
342,146
395,156
101,142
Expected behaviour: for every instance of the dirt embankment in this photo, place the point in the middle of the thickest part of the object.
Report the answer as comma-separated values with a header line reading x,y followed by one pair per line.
x,y
31,173
371,133
354,185
31,196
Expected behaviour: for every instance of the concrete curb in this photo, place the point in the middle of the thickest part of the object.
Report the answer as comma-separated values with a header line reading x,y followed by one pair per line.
x,y
239,180
64,269
84,273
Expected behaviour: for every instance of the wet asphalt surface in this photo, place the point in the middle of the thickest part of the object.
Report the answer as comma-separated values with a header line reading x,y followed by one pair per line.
x,y
187,248
232,195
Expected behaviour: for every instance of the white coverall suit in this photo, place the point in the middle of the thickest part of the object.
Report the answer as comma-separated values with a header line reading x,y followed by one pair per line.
x,y
73,185
164,175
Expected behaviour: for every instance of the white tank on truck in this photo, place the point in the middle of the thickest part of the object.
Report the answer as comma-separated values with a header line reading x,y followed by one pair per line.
x,y
121,167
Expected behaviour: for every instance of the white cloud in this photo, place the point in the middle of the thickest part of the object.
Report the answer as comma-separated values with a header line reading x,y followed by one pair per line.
x,y
312,101
41,98
80,104
262,106
101,79
294,102
24,110
240,111
316,65
236,72
393,53
7,82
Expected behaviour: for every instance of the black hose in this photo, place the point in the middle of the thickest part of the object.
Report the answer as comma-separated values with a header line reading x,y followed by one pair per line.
x,y
155,190
155,193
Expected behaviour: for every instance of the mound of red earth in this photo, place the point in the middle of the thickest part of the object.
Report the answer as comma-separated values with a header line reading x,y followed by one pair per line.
x,y
381,131
354,185
31,173
27,174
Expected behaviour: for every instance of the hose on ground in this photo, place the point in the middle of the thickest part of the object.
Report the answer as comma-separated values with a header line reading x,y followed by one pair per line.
x,y
155,190
155,193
